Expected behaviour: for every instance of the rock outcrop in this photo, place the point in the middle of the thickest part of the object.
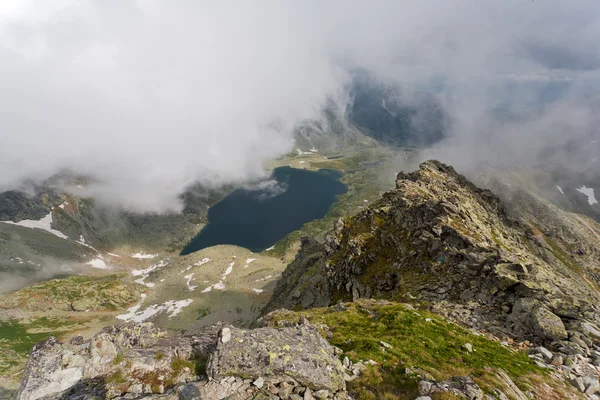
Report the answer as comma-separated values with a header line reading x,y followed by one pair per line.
x,y
138,360
440,239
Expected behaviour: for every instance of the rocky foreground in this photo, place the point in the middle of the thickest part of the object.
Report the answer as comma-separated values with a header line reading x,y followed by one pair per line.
x,y
140,361
477,298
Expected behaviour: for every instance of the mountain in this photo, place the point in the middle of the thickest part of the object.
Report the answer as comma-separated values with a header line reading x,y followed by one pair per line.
x,y
532,273
439,289
385,112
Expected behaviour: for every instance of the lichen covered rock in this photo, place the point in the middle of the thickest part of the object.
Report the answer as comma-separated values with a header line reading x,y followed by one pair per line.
x,y
299,353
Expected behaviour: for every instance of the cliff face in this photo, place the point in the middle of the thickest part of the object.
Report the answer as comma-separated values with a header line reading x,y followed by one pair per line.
x,y
440,239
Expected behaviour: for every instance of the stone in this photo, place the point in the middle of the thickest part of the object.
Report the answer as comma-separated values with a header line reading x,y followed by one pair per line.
x,y
425,387
225,335
557,361
536,318
423,398
297,352
578,383
547,354
321,394
137,388
468,347
308,394
385,344
188,392
259,382
346,362
593,388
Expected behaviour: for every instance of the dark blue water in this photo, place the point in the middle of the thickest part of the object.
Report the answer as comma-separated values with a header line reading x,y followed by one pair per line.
x,y
257,219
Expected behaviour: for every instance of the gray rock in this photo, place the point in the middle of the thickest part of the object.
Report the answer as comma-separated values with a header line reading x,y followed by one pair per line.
x,y
592,385
423,398
425,387
44,375
259,382
578,383
295,352
535,318
468,347
458,386
321,394
547,354
308,394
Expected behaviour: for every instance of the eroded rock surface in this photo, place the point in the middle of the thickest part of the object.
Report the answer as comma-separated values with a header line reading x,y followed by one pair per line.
x,y
141,361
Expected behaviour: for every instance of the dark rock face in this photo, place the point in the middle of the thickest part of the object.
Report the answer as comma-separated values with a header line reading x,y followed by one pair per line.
x,y
304,282
16,206
439,238
378,108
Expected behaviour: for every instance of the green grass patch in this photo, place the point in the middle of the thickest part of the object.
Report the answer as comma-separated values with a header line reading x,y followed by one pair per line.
x,y
419,340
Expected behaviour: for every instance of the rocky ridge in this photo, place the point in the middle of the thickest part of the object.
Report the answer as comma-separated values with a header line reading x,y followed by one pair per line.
x,y
435,243
525,272
140,361
438,238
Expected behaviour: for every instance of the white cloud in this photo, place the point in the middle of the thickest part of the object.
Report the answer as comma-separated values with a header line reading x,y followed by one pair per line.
x,y
149,96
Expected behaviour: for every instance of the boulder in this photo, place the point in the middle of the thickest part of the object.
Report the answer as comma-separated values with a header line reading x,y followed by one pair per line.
x,y
296,352
533,317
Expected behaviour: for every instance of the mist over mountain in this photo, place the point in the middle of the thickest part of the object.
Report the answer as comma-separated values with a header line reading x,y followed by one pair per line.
x,y
150,97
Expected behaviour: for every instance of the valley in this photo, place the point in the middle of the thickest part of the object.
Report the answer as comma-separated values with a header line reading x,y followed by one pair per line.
x,y
180,293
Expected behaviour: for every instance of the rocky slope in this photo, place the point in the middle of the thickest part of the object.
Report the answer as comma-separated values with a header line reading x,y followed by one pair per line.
x,y
217,362
441,239
478,298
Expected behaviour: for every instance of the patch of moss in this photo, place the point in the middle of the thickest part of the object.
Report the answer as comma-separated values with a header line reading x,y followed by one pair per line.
x,y
116,377
203,312
419,339
118,359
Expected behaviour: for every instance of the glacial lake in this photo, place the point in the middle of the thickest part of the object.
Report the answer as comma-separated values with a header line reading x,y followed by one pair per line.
x,y
257,217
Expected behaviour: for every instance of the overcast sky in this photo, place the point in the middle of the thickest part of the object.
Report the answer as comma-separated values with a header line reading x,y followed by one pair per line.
x,y
149,96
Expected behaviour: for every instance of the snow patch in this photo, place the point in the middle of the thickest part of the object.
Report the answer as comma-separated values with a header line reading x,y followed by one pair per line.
x,y
217,286
270,248
82,242
229,269
189,279
560,189
114,255
197,264
143,273
143,256
257,291
248,261
589,192
98,263
44,223
171,307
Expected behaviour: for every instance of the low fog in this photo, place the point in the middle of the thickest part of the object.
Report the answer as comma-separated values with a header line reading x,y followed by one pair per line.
x,y
150,96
